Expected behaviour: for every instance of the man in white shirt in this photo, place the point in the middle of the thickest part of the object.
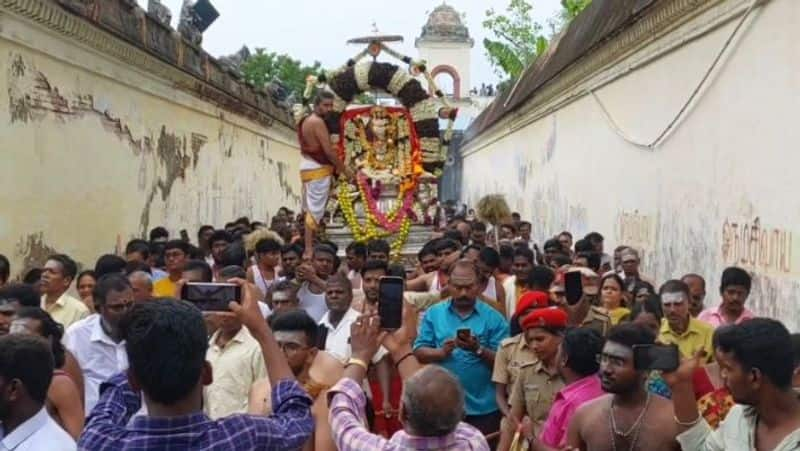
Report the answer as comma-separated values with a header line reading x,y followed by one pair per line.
x,y
311,295
339,317
514,285
96,342
236,363
26,369
756,356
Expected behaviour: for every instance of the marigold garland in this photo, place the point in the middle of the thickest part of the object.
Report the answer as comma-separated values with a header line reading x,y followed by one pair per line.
x,y
368,231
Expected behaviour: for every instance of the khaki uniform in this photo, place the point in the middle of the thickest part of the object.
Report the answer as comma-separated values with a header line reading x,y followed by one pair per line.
x,y
597,318
534,392
511,355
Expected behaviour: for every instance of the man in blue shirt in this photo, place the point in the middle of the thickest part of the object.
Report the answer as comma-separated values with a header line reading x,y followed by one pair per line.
x,y
166,343
462,335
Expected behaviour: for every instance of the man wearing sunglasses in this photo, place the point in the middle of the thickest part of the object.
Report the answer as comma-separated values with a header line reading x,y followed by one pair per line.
x,y
678,326
96,342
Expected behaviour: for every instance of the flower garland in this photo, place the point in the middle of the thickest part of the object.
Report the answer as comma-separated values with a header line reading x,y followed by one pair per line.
x,y
368,231
393,221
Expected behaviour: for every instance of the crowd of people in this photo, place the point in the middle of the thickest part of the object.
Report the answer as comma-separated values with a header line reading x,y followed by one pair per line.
x,y
493,352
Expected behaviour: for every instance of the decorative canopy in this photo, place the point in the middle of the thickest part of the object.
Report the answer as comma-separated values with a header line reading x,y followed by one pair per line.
x,y
445,25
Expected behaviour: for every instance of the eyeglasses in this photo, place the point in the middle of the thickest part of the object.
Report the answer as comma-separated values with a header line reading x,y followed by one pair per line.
x,y
610,360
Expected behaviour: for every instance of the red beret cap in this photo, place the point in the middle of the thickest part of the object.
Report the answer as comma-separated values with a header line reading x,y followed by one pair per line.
x,y
550,317
532,299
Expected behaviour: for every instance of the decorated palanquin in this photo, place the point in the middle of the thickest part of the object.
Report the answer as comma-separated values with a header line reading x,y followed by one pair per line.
x,y
396,152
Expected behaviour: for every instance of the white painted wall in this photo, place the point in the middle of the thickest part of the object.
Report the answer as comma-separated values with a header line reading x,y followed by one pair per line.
x,y
93,163
733,159
453,54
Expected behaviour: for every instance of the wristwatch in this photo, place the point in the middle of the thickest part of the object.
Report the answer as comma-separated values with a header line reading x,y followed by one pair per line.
x,y
479,352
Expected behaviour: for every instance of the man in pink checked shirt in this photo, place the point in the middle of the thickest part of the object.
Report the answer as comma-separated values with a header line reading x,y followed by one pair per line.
x,y
578,365
432,403
734,289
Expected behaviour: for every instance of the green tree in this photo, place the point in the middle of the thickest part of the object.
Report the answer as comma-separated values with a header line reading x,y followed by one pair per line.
x,y
262,67
518,40
571,8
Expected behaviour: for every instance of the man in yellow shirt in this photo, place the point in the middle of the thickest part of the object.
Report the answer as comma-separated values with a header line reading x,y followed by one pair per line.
x,y
176,253
678,326
57,276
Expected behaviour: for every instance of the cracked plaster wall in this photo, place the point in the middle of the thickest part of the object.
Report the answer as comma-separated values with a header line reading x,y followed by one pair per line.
x,y
96,152
721,191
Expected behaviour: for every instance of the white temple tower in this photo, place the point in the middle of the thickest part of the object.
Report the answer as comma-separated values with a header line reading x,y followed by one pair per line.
x,y
446,45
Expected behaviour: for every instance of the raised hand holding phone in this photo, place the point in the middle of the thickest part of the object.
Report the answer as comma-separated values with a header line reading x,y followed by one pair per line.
x,y
246,308
390,302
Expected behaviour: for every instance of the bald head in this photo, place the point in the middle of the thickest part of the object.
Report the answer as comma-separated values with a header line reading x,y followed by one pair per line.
x,y
433,402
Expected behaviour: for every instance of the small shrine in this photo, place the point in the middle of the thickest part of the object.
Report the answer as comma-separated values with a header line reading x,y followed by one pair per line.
x,y
396,151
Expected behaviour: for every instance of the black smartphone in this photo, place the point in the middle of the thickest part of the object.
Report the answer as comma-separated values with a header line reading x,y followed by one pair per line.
x,y
463,334
184,235
656,357
573,287
390,302
211,297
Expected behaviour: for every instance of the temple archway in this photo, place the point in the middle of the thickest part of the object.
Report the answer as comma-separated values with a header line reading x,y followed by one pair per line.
x,y
453,73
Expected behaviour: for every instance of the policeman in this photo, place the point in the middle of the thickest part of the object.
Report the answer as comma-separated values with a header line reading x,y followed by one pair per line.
x,y
538,382
514,352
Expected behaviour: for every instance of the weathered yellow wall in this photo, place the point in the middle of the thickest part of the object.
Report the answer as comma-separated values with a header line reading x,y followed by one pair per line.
x,y
720,191
96,151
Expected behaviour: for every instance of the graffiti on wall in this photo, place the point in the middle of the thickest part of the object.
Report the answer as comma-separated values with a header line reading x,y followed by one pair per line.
x,y
752,245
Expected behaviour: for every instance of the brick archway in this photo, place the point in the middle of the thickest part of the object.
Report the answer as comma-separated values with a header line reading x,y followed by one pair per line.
x,y
450,70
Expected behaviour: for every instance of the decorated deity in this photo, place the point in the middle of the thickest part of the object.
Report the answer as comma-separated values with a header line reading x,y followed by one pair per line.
x,y
396,152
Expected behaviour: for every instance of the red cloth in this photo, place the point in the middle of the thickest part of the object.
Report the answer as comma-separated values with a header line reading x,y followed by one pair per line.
x,y
702,383
552,317
532,299
387,426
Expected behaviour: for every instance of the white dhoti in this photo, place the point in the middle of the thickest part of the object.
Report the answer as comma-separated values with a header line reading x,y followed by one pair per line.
x,y
316,180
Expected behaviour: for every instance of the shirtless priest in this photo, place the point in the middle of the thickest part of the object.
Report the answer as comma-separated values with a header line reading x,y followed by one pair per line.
x,y
318,165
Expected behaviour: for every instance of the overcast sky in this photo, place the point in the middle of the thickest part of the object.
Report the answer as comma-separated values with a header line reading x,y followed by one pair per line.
x,y
317,30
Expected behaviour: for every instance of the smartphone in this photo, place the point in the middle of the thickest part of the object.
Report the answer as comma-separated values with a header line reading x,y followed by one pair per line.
x,y
390,302
463,334
184,235
573,287
656,357
211,297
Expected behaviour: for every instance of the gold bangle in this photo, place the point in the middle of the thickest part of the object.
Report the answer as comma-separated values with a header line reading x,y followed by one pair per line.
x,y
359,362
688,423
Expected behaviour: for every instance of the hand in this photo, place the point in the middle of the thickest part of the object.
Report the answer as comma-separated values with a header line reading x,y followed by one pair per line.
x,y
365,337
525,428
403,337
247,310
447,348
685,372
347,173
305,271
470,343
308,254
